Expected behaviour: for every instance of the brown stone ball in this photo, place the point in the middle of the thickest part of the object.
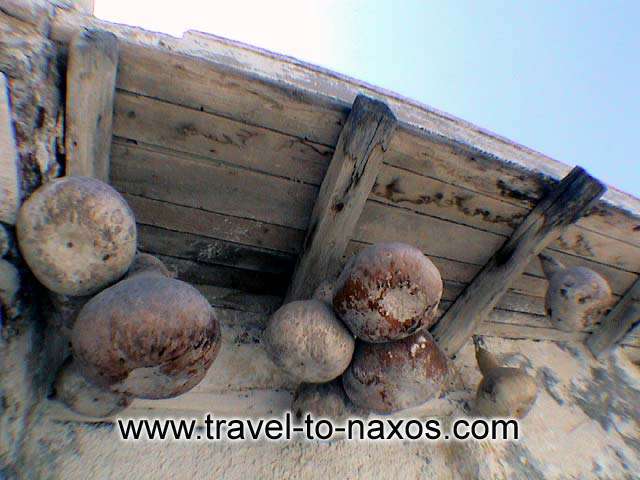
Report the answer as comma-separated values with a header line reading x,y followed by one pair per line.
x,y
147,336
387,377
306,340
387,292
77,234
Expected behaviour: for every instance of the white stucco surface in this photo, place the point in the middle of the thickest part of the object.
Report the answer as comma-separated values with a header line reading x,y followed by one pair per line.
x,y
585,424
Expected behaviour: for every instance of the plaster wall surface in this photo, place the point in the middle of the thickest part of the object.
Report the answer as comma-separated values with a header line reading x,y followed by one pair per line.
x,y
585,424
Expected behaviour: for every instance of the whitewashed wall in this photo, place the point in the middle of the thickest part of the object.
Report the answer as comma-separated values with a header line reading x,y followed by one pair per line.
x,y
585,424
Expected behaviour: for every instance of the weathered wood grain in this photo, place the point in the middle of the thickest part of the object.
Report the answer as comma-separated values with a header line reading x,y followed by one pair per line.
x,y
343,193
282,239
9,180
214,225
207,135
417,193
617,323
212,251
479,173
254,208
171,126
632,352
197,183
577,192
439,238
239,300
34,12
633,336
508,330
229,277
527,290
254,88
201,249
91,80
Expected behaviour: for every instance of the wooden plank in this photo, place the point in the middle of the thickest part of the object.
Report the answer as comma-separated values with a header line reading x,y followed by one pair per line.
x,y
632,352
577,192
272,203
237,230
617,323
343,193
171,126
395,186
212,136
282,239
633,334
482,174
212,187
507,330
191,181
213,251
9,180
254,87
34,12
228,277
200,249
239,300
214,225
439,238
91,80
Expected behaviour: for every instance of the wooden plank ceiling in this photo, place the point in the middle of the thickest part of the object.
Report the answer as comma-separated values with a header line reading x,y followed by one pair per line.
x,y
223,168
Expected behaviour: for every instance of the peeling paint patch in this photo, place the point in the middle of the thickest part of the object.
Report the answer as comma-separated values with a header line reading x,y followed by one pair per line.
x,y
551,383
522,463
609,399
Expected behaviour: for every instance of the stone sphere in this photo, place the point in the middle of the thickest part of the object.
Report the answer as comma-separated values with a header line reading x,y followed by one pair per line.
x,y
387,377
388,292
306,340
77,234
147,336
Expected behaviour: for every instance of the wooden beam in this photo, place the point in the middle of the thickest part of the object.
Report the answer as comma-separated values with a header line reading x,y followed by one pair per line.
x,y
91,80
560,208
617,323
343,193
9,183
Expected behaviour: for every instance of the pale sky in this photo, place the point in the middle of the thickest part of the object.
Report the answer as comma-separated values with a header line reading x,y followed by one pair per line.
x,y
559,77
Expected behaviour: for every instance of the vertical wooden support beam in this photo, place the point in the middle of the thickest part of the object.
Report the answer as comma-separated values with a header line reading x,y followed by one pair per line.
x,y
560,208
344,191
617,323
9,180
91,81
